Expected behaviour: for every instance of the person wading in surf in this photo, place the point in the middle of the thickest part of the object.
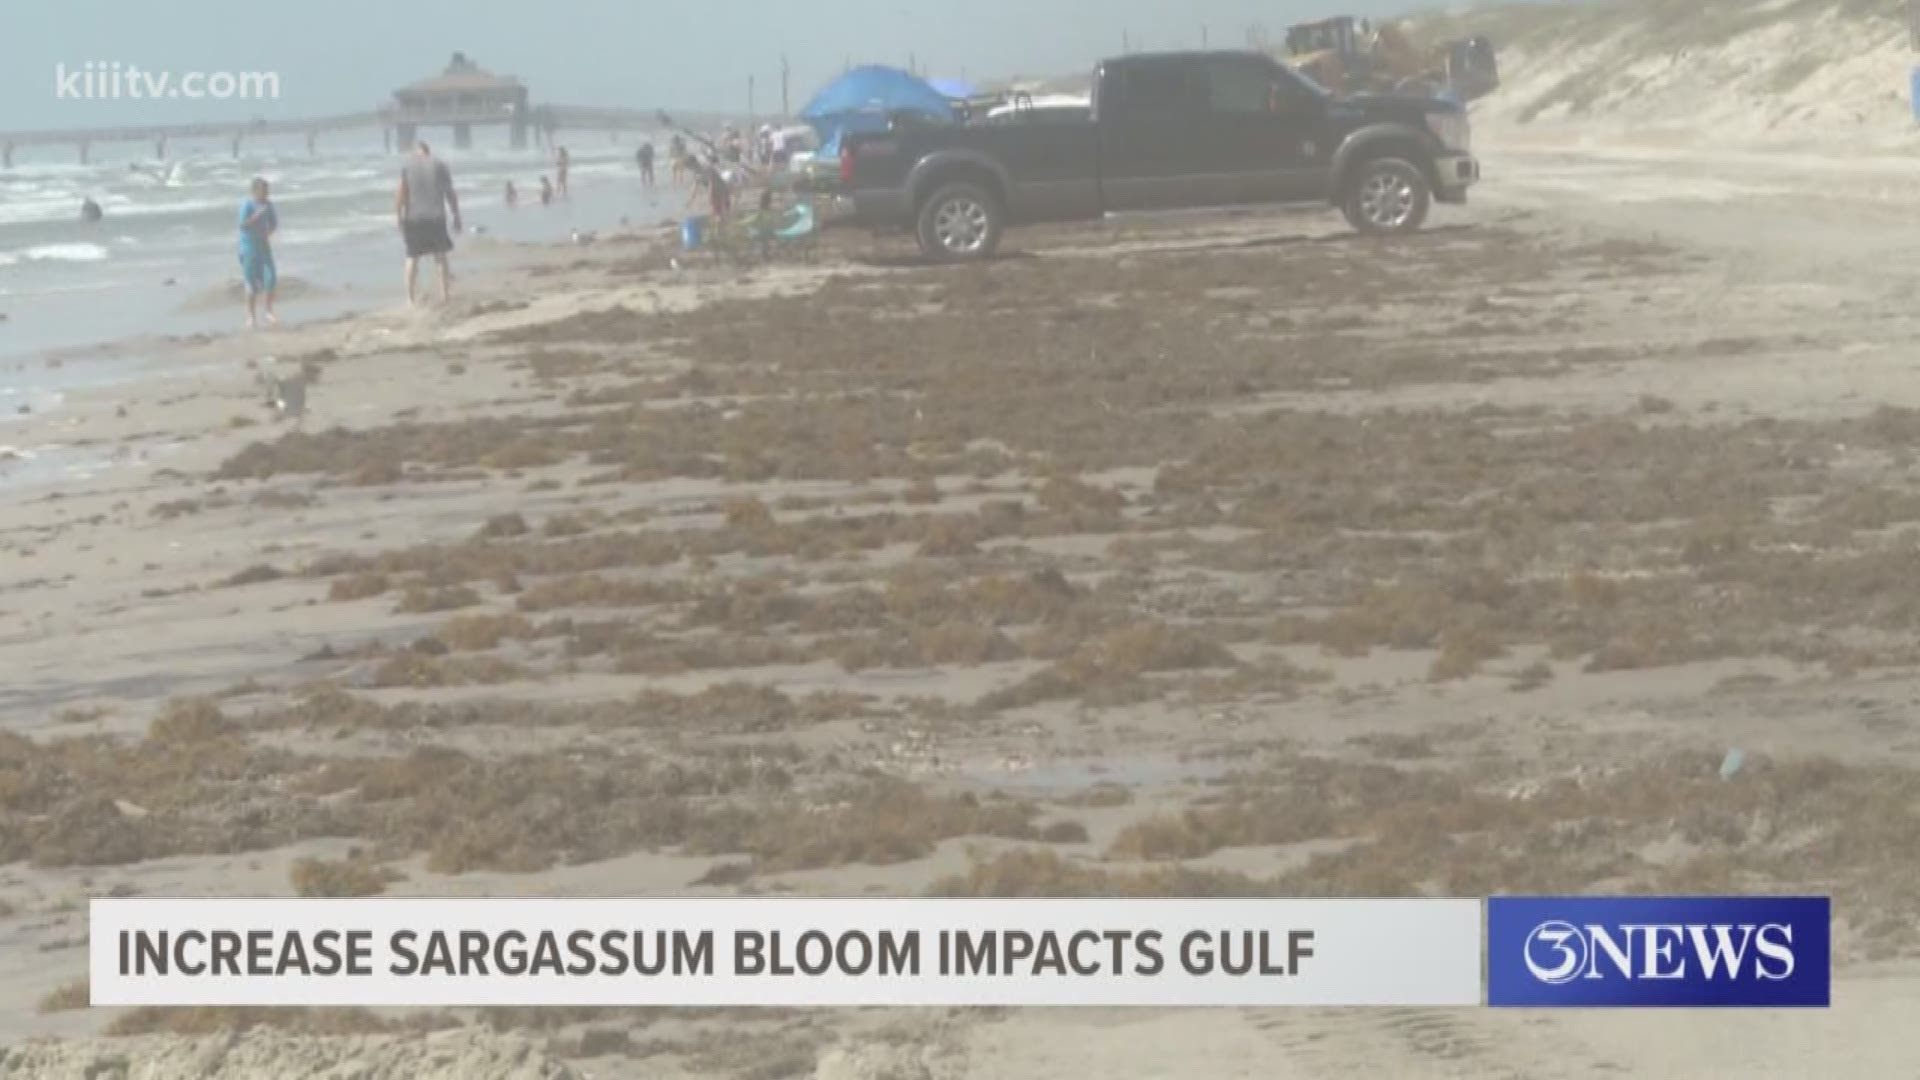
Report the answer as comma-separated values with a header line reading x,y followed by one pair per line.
x,y
422,205
258,222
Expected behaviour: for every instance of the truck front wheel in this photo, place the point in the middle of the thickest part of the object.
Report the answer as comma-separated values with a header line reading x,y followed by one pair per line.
x,y
1386,195
959,223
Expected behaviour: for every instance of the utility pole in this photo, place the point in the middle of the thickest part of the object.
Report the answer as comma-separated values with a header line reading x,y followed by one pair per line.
x,y
749,102
785,112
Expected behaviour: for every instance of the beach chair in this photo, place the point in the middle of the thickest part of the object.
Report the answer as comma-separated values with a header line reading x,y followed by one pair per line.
x,y
739,240
763,235
796,232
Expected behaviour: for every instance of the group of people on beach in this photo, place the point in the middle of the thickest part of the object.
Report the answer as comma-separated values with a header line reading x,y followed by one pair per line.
x,y
426,208
713,174
727,162
548,189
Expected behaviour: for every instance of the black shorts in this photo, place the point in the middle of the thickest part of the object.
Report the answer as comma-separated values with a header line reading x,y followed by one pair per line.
x,y
426,236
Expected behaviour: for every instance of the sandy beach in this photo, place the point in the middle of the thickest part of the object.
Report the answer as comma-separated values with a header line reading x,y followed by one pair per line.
x,y
1218,555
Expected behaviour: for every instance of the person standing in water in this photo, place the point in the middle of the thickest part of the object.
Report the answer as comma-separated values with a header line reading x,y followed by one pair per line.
x,y
709,178
677,155
90,211
421,205
546,192
513,195
258,222
645,156
560,171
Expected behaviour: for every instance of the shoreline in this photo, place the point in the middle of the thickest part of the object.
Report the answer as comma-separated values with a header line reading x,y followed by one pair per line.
x,y
180,281
60,394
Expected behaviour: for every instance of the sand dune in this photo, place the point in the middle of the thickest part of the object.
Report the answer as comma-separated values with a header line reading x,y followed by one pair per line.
x,y
1828,72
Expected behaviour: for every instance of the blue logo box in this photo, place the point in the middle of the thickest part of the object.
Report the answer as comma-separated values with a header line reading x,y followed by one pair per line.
x,y
1659,951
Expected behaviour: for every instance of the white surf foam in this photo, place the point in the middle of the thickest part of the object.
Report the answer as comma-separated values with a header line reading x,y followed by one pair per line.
x,y
65,253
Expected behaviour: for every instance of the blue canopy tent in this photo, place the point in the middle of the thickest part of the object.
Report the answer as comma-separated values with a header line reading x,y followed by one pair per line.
x,y
862,100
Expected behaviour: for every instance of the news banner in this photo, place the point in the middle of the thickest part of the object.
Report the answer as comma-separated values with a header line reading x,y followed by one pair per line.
x,y
1531,952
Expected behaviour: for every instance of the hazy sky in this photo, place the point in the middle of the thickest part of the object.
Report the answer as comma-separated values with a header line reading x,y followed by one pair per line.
x,y
347,55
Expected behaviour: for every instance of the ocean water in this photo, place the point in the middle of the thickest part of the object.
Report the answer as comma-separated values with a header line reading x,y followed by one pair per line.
x,y
165,249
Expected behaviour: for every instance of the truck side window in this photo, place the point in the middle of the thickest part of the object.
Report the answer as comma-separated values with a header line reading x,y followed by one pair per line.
x,y
1147,87
1237,86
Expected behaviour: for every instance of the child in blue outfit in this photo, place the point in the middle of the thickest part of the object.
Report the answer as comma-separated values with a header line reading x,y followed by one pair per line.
x,y
258,221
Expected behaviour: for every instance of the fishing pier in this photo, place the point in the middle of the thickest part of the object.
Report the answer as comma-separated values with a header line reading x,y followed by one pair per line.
x,y
459,99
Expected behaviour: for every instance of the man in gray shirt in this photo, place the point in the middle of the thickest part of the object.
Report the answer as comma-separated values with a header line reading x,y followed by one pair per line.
x,y
422,205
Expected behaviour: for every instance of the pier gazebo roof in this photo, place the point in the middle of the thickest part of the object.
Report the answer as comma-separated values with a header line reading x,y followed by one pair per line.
x,y
461,75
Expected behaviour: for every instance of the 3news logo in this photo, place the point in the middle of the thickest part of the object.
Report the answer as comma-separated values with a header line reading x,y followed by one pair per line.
x,y
1651,952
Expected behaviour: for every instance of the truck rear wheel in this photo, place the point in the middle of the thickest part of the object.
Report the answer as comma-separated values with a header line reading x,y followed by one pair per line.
x,y
959,223
1386,196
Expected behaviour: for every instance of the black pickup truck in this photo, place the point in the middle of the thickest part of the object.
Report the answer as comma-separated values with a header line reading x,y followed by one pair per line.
x,y
1168,131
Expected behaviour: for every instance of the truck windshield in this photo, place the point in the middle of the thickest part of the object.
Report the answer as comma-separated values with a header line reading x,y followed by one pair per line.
x,y
1310,84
